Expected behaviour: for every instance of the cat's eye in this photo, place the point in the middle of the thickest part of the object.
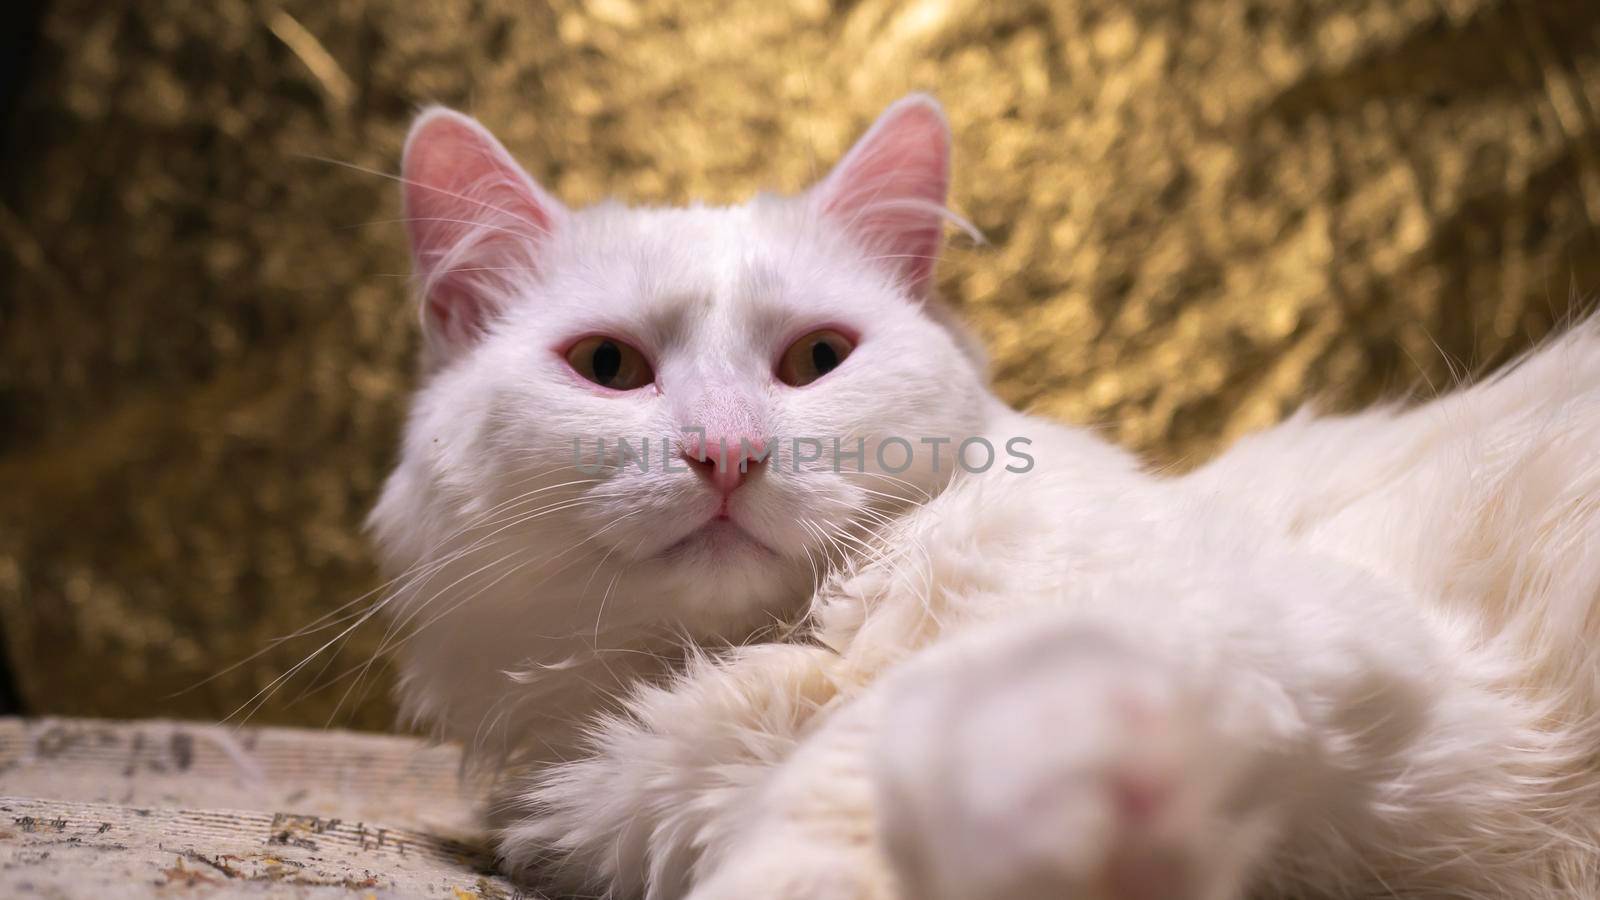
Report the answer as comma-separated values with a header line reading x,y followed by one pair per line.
x,y
813,356
610,363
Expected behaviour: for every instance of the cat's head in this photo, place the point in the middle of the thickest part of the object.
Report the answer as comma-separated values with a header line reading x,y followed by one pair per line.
x,y
802,326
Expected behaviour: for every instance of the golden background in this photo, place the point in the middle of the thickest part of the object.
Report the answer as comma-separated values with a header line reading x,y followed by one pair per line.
x,y
1201,214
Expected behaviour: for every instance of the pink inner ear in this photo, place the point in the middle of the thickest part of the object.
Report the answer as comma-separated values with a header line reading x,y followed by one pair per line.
x,y
475,220
890,188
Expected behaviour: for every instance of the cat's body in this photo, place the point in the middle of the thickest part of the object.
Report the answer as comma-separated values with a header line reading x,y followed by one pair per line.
x,y
1349,657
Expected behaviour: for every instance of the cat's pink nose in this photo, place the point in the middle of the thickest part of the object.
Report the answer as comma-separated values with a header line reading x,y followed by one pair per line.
x,y
725,464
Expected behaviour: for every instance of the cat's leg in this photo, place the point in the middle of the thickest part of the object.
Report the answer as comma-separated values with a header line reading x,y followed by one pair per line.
x,y
809,829
629,818
1042,759
1159,745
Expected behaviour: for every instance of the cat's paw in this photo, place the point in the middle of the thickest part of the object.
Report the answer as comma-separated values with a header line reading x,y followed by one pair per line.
x,y
631,817
1054,761
795,870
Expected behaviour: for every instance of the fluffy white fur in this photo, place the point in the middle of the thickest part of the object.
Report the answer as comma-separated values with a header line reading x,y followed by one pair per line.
x,y
1352,657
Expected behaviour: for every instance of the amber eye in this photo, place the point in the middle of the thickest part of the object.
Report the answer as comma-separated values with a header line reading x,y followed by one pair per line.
x,y
610,363
813,356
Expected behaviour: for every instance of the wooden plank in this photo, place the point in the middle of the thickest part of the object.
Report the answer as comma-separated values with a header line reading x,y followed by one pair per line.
x,y
61,848
341,774
136,809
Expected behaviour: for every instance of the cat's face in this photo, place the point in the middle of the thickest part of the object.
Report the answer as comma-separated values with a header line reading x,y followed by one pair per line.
x,y
794,327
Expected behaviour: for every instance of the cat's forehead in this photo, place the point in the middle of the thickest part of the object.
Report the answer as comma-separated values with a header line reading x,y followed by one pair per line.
x,y
697,268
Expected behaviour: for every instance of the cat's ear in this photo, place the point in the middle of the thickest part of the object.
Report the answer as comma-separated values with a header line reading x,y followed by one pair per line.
x,y
476,222
890,188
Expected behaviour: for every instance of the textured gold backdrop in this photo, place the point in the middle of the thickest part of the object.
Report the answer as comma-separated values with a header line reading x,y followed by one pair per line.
x,y
1201,214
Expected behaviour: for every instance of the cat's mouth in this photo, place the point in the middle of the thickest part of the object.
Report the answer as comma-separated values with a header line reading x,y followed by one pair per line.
x,y
720,536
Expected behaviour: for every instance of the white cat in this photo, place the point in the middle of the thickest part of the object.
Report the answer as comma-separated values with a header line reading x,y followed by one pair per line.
x,y
1351,657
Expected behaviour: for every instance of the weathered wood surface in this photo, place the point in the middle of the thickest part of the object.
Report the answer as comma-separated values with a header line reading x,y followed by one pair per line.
x,y
153,808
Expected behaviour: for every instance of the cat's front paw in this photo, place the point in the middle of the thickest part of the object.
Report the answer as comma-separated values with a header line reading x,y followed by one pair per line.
x,y
1055,761
801,869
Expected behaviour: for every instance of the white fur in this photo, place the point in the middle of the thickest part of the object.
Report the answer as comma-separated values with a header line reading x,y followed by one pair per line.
x,y
1351,657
